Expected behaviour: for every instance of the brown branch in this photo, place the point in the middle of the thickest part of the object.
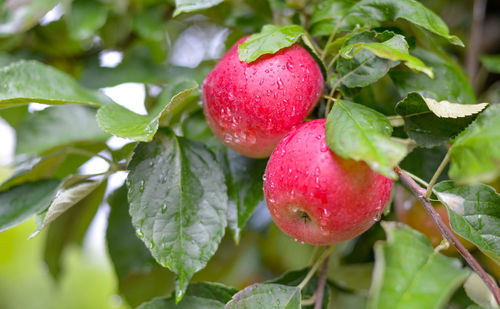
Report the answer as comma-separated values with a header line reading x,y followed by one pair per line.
x,y
320,290
475,37
447,233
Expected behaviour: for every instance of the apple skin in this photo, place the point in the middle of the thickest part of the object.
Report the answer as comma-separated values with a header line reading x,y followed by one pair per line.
x,y
250,107
316,196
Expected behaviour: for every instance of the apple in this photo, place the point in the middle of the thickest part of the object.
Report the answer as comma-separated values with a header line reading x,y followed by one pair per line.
x,y
414,215
318,197
251,106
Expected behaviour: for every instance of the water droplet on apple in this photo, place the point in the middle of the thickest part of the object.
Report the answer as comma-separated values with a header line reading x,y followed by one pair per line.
x,y
323,147
289,66
264,177
280,84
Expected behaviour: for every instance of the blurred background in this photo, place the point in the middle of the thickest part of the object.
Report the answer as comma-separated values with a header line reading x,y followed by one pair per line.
x,y
127,48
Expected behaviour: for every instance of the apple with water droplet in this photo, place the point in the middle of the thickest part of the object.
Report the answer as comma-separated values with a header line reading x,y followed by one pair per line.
x,y
318,197
251,106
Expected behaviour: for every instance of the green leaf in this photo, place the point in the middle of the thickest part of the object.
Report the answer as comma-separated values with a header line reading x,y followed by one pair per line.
x,y
358,132
475,154
187,6
266,295
56,127
364,67
410,10
140,278
270,40
178,203
122,122
391,50
20,17
70,228
65,199
428,129
474,212
449,83
86,16
21,202
491,62
409,273
26,82
244,185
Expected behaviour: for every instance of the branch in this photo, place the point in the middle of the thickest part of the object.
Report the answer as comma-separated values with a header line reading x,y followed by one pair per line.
x,y
447,233
320,290
475,36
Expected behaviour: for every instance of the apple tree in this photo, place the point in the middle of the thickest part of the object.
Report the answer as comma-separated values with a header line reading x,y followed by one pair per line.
x,y
291,153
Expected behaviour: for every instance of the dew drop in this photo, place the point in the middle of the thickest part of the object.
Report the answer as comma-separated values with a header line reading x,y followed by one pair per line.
x,y
323,147
264,177
139,233
289,66
164,208
141,186
280,84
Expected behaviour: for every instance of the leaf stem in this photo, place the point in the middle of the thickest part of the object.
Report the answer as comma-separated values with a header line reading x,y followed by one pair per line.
x,y
315,267
330,39
438,172
447,233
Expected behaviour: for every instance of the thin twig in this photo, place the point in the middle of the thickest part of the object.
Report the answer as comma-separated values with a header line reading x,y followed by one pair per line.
x,y
436,175
315,267
320,290
475,37
447,233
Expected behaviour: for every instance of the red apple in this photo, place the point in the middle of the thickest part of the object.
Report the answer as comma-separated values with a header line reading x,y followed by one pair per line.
x,y
318,197
250,107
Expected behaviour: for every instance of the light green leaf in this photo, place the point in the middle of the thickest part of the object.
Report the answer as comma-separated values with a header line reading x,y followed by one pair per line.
x,y
410,10
266,295
270,40
431,123
474,212
58,126
475,154
244,185
358,132
85,17
364,67
122,122
187,6
491,62
178,203
70,229
410,274
21,202
26,82
65,199
22,15
390,50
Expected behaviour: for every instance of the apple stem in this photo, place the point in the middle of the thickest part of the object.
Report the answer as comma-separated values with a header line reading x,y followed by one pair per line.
x,y
438,172
315,267
447,233
320,290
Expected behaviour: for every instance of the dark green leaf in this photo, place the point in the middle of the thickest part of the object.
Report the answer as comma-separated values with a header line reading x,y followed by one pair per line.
x,y
266,295
364,67
423,162
21,202
410,10
475,154
474,212
449,83
26,82
70,228
86,16
56,127
358,132
395,49
122,122
424,126
244,186
178,203
409,273
269,41
20,16
187,6
491,62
